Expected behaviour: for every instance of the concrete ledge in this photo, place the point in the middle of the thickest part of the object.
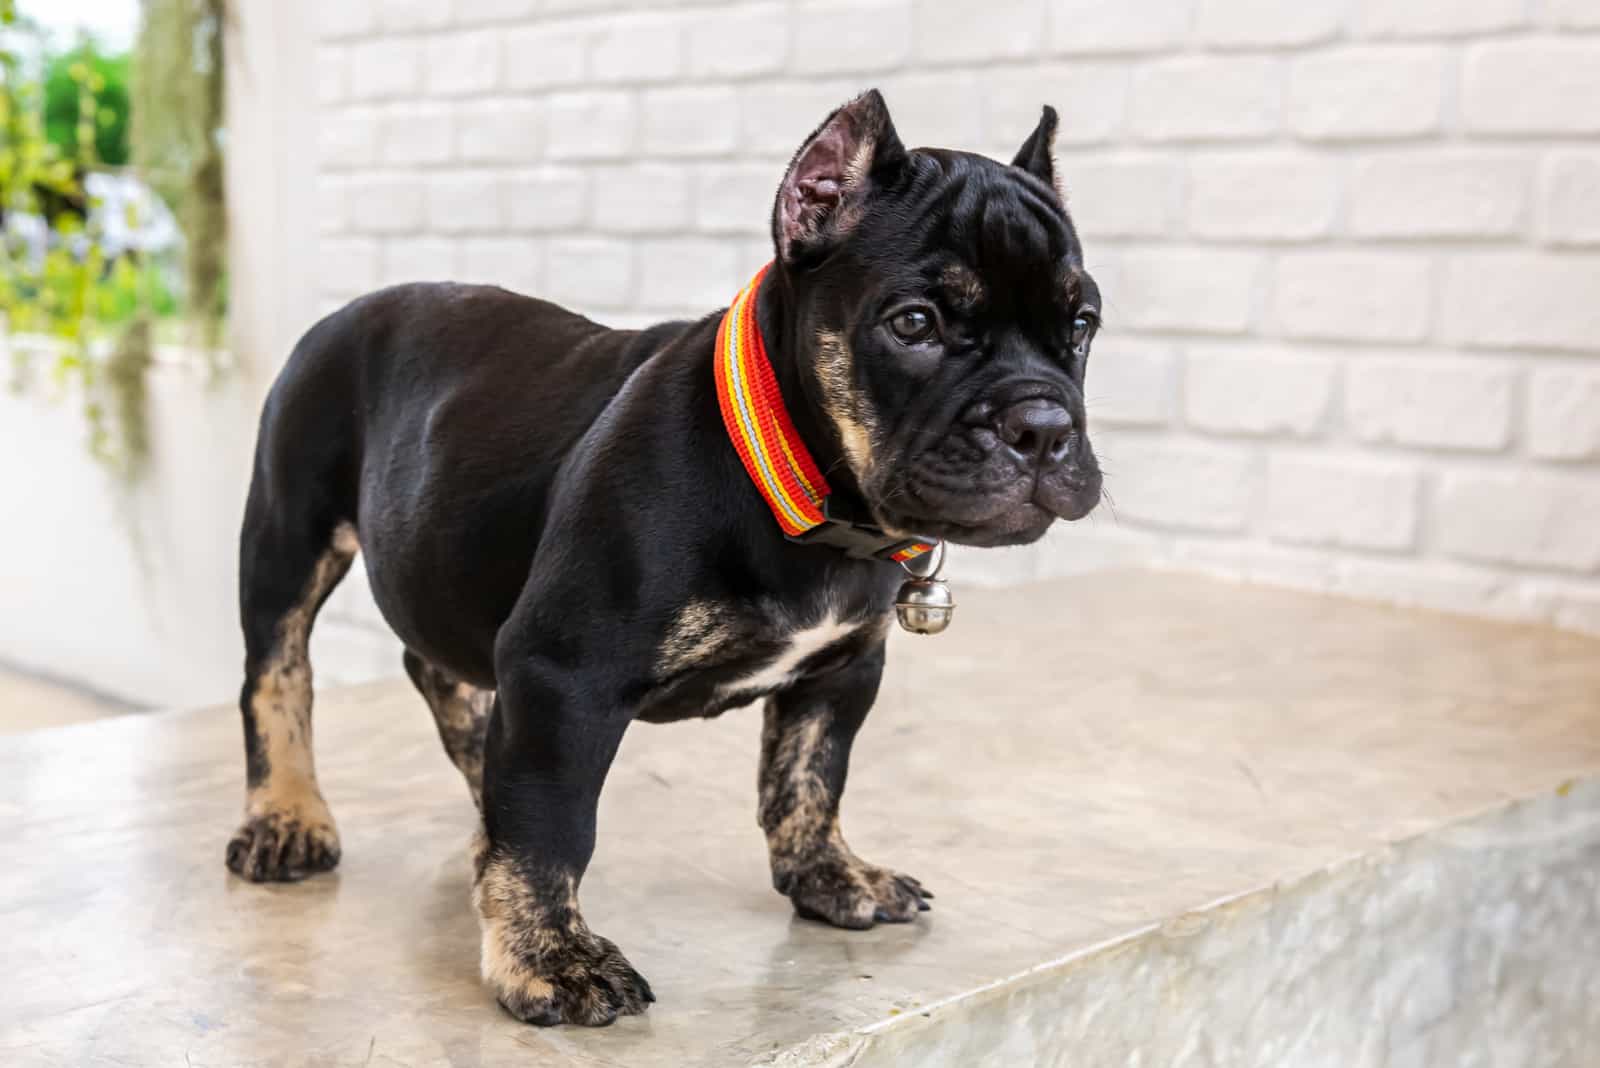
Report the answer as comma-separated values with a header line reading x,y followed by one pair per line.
x,y
1392,813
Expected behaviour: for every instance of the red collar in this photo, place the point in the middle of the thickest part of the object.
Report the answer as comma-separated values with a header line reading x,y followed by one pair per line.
x,y
777,461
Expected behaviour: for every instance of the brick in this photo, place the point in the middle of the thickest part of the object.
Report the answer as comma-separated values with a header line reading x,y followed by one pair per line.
x,y
590,272
333,212
686,273
597,125
1131,383
333,74
1353,504
1539,86
349,18
546,198
1178,289
637,50
1207,98
1228,391
516,263
347,139
1124,197
739,43
1569,198
641,198
539,57
1564,413
1430,402
1523,518
1438,18
346,266
1514,299
1091,98
1180,485
735,198
1439,195
937,109
1352,296
404,16
418,134
418,258
1265,23
959,31
470,12
462,63
1380,92
385,68
833,36
1265,198
1089,26
385,204
465,201
500,131
689,122
1577,14
776,116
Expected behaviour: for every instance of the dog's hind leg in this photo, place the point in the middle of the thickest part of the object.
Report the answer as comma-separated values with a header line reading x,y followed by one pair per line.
x,y
288,565
461,712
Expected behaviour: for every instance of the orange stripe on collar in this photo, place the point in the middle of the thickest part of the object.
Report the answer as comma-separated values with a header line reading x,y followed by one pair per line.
x,y
764,436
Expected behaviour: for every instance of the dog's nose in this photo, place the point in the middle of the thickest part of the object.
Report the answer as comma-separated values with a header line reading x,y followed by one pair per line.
x,y
1038,430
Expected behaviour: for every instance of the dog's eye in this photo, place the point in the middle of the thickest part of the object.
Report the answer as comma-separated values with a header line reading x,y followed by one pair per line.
x,y
1082,327
912,326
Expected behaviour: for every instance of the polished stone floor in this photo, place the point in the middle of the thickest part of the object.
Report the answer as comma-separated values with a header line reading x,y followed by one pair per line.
x,y
1069,763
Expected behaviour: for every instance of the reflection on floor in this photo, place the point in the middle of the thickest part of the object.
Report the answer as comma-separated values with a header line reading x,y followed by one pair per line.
x,y
1072,766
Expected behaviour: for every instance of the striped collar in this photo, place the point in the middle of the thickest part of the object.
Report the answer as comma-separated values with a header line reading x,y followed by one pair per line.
x,y
770,448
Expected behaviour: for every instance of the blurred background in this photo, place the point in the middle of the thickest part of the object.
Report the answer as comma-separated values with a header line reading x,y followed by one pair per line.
x,y
1350,251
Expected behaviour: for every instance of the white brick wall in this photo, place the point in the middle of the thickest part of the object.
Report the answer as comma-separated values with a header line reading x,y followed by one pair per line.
x,y
1351,248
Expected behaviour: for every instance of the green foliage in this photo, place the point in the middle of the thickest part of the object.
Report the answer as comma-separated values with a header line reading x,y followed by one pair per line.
x,y
105,78
98,311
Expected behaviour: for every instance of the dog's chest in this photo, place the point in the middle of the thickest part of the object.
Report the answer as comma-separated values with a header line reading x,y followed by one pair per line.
x,y
716,657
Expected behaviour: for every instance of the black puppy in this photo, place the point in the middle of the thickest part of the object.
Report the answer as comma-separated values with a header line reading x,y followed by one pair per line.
x,y
570,528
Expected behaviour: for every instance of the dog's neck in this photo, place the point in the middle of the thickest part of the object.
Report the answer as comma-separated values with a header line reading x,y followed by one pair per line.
x,y
792,357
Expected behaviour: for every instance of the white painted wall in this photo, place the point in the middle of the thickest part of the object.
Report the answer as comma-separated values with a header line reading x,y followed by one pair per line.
x,y
1351,247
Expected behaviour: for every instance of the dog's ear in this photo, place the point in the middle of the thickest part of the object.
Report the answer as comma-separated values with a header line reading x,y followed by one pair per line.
x,y
825,189
1037,155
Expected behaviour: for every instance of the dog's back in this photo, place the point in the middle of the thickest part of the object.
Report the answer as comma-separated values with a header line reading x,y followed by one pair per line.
x,y
396,415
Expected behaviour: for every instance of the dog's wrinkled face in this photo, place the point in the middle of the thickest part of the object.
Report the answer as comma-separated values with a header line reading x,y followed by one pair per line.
x,y
948,317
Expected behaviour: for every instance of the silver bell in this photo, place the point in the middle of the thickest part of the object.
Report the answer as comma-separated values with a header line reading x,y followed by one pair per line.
x,y
924,605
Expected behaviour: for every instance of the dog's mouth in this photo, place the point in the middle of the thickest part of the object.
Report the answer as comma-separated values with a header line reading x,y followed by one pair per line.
x,y
1014,512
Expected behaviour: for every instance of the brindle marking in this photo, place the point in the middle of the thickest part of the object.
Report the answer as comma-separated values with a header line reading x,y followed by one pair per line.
x,y
539,956
288,831
461,712
805,742
845,405
699,632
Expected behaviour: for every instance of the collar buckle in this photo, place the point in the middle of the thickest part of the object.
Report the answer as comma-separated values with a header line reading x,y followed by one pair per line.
x,y
863,541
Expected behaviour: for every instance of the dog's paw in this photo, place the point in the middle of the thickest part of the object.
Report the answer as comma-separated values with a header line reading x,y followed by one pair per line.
x,y
284,847
844,890
583,979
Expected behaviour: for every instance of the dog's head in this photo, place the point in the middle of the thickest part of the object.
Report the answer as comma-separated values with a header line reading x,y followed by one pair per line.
x,y
942,320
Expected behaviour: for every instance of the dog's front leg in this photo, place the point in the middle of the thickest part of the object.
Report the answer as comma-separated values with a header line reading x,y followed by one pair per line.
x,y
805,756
552,736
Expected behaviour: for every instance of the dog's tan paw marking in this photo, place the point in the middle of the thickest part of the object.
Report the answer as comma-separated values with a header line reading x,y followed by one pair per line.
x,y
580,978
840,888
276,846
544,964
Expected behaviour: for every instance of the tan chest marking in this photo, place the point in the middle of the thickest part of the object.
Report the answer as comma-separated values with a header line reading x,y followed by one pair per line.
x,y
803,643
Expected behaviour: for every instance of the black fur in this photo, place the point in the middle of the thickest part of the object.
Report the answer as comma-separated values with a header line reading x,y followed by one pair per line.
x,y
538,498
